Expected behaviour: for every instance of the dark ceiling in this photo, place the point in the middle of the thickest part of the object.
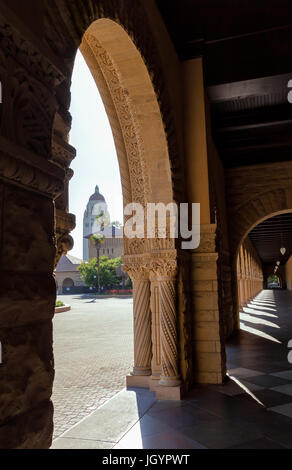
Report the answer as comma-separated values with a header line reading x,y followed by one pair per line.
x,y
247,54
269,236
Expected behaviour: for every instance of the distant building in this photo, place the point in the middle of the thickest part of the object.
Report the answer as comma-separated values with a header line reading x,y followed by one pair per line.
x,y
95,206
67,275
113,245
68,278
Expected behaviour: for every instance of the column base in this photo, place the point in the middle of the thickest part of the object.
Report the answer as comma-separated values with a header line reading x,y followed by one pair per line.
x,y
141,371
138,381
154,382
162,392
168,393
170,381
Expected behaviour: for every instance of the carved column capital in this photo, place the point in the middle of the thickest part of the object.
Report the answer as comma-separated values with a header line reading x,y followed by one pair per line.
x,y
162,269
138,271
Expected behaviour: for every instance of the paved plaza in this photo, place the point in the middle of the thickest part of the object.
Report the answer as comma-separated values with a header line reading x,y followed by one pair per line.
x,y
93,347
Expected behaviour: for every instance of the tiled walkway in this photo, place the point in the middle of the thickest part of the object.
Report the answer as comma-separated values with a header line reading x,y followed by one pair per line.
x,y
252,410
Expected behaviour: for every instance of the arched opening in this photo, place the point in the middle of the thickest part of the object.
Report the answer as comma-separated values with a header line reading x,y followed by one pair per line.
x,y
68,282
67,286
274,282
269,249
262,323
133,111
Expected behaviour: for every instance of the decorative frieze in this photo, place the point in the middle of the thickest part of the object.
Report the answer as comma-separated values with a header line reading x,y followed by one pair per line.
x,y
25,168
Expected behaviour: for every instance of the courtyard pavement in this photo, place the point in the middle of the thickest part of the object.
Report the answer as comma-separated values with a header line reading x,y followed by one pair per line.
x,y
93,348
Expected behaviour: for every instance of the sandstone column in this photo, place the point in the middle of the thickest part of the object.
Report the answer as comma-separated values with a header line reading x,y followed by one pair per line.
x,y
142,325
164,281
156,342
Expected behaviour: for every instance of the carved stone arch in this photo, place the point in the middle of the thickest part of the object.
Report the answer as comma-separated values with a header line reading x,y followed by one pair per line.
x,y
66,23
269,274
249,215
129,77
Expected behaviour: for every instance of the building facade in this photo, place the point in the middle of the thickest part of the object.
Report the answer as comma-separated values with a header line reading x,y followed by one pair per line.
x,y
112,245
95,206
67,276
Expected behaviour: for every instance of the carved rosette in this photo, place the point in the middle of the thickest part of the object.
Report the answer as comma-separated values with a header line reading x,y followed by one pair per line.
x,y
164,273
142,317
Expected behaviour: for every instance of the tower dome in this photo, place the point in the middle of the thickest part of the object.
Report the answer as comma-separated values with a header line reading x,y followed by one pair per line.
x,y
96,196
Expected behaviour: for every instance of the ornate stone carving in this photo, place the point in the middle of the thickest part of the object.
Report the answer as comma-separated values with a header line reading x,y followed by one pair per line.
x,y
23,167
28,106
134,146
163,275
139,272
142,328
66,22
62,152
169,337
156,343
163,268
28,54
65,223
134,246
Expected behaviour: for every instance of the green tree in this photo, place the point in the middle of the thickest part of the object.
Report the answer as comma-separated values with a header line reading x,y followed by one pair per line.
x,y
107,272
129,284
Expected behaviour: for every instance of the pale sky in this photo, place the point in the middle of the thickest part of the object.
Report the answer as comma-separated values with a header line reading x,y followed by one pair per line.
x,y
96,161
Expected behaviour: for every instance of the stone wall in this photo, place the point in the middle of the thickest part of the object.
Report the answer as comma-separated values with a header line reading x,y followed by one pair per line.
x,y
208,325
288,273
27,304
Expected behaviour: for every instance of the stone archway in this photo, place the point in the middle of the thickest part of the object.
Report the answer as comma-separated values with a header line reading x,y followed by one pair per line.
x,y
35,174
269,280
144,161
68,282
254,193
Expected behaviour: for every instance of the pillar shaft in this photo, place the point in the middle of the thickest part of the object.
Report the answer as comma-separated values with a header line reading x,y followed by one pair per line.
x,y
156,343
139,274
169,337
165,332
142,327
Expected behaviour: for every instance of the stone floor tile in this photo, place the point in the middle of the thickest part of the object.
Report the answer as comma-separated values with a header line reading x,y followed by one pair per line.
x,y
67,443
285,374
285,410
260,444
220,434
242,372
267,381
286,389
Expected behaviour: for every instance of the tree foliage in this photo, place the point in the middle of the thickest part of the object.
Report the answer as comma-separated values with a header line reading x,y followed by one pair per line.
x,y
108,276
